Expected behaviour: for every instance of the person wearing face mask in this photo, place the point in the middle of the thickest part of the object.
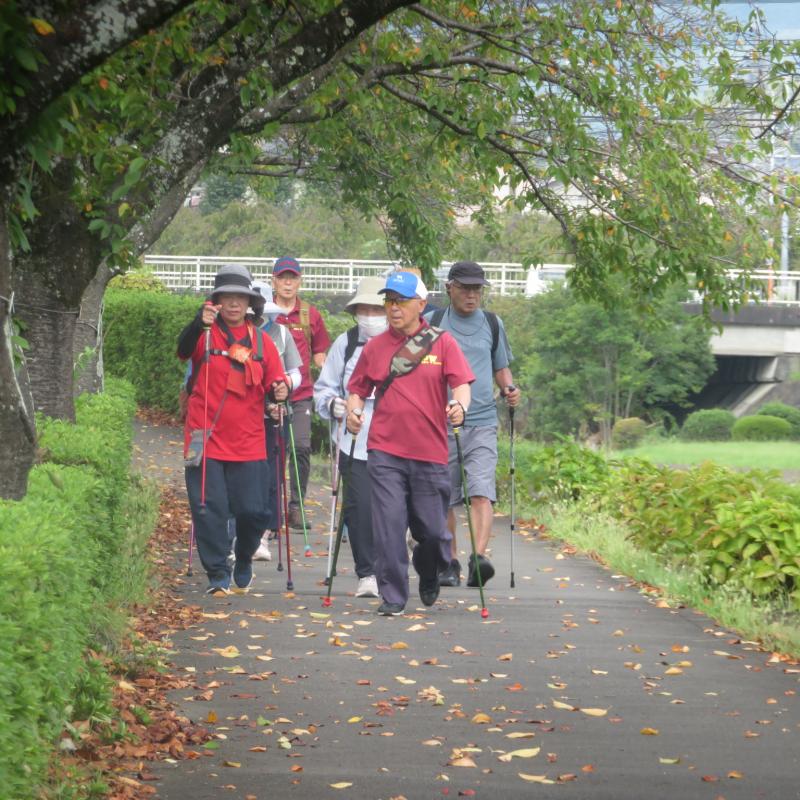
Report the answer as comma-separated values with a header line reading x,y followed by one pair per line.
x,y
329,399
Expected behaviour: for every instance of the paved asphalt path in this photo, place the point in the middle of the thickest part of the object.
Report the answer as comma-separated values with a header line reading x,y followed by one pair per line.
x,y
577,685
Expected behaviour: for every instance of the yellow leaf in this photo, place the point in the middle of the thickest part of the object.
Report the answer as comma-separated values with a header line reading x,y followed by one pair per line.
x,y
520,735
318,615
734,773
526,753
649,731
505,657
399,646
535,778
481,719
673,671
595,712
417,627
355,719
562,706
212,717
227,652
404,681
234,764
669,761
340,785
463,761
42,27
432,743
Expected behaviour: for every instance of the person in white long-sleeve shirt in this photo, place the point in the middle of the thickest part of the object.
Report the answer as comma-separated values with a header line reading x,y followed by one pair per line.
x,y
329,400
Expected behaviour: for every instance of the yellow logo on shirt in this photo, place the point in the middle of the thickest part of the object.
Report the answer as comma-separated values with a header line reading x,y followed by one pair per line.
x,y
431,358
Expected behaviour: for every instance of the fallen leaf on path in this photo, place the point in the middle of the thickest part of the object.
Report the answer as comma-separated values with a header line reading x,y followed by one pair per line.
x,y
520,735
340,785
649,731
399,646
594,712
534,778
562,706
227,652
505,657
462,761
527,753
481,719
669,761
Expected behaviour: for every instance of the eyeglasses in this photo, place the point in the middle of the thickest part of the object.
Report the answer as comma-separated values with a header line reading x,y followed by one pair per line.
x,y
397,301
468,289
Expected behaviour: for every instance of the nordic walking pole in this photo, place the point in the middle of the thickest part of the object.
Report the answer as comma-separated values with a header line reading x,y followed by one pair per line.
x,y
289,581
335,480
277,459
207,362
189,571
457,435
326,602
511,470
307,546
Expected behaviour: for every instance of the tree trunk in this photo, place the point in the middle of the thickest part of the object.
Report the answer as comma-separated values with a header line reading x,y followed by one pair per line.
x,y
88,341
17,430
49,281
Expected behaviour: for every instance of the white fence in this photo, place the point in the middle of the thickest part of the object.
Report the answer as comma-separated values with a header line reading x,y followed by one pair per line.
x,y
340,276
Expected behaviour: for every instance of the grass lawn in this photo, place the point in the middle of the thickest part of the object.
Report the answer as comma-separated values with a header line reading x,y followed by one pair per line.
x,y
749,455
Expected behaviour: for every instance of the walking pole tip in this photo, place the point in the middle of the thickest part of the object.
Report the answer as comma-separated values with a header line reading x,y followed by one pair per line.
x,y
327,602
485,612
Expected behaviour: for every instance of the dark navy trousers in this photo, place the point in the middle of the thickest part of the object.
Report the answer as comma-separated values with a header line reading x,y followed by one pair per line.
x,y
233,489
414,495
357,511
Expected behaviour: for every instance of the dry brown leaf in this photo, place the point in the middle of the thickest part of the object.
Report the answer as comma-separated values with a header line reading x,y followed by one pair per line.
x,y
505,657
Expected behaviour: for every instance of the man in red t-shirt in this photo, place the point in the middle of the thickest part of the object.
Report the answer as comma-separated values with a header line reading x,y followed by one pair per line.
x,y
407,443
234,374
312,340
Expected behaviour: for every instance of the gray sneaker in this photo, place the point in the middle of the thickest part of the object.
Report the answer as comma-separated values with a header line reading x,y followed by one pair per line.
x,y
391,609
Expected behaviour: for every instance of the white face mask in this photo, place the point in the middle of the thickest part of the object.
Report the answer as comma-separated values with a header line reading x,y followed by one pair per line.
x,y
371,326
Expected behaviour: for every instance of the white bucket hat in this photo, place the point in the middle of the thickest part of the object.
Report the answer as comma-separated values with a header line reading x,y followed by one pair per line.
x,y
367,294
265,290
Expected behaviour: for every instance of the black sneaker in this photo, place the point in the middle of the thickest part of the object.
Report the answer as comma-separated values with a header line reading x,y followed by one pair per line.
x,y
390,609
429,593
242,575
451,575
486,568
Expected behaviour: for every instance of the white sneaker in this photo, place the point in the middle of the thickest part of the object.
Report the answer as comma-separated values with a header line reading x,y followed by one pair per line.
x,y
367,587
263,553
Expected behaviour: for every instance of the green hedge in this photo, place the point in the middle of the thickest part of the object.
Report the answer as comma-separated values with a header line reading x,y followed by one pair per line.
x,y
784,411
708,425
628,433
141,339
59,545
741,529
761,428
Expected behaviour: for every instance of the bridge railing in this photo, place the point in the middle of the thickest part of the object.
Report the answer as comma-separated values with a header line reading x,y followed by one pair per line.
x,y
341,276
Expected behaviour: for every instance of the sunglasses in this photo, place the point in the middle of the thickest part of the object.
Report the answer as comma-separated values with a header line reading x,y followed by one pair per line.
x,y
468,288
397,301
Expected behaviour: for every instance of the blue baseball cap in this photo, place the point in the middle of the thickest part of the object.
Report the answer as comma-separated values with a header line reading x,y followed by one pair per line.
x,y
406,284
286,264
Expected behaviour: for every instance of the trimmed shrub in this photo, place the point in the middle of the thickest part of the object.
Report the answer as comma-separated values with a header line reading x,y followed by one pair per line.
x,y
784,411
141,341
708,425
59,545
628,433
761,428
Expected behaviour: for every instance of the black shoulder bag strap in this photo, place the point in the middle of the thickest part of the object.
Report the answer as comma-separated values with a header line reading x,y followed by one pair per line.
x,y
408,357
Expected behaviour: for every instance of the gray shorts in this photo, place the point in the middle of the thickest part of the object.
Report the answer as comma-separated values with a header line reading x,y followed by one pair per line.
x,y
479,446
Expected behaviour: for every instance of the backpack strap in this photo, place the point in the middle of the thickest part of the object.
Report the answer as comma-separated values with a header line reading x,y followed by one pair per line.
x,y
491,318
305,321
350,348
408,357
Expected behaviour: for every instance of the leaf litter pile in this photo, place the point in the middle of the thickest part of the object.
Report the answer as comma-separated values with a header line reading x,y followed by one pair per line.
x,y
147,728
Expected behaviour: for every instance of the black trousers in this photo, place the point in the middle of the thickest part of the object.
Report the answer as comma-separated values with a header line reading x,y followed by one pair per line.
x,y
233,489
301,431
357,510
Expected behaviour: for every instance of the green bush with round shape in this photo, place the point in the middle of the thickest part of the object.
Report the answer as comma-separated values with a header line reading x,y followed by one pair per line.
x,y
708,425
784,411
761,428
628,433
